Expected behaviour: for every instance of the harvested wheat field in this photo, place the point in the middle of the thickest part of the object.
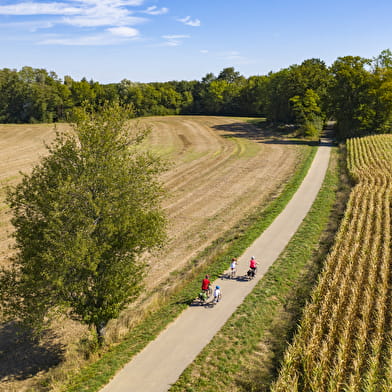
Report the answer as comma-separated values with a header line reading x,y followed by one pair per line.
x,y
221,169
20,148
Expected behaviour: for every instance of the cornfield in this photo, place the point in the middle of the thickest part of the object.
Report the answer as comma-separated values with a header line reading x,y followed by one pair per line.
x,y
344,342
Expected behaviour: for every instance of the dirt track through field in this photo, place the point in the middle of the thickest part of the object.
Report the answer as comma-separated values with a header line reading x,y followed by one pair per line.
x,y
160,364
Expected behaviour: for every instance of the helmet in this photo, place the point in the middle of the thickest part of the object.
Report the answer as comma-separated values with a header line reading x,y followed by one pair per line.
x,y
218,287
253,257
207,276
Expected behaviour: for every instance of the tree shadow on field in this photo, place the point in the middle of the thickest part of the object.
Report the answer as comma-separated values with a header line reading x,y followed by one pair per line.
x,y
21,357
267,134
240,130
294,142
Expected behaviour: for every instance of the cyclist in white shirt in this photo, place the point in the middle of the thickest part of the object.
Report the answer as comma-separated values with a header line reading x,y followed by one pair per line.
x,y
217,294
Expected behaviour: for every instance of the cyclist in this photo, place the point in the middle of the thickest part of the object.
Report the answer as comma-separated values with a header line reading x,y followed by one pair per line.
x,y
217,294
205,285
252,266
233,267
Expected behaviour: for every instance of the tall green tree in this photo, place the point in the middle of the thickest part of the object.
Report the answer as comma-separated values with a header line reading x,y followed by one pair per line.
x,y
382,71
308,113
294,81
82,92
360,95
221,95
83,217
254,97
350,94
230,75
12,97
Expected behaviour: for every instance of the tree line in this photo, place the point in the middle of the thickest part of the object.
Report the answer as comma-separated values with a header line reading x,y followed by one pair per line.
x,y
354,91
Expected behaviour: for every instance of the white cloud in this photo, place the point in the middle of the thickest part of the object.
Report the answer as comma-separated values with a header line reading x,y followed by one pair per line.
x,y
204,51
235,57
31,26
91,40
188,21
114,3
84,13
102,20
128,32
231,55
80,41
174,39
103,13
175,36
112,21
31,8
172,43
153,10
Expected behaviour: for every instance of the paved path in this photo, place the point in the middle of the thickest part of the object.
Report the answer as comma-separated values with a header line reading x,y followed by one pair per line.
x,y
160,364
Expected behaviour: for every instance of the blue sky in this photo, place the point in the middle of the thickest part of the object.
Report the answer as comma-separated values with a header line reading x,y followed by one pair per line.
x,y
161,40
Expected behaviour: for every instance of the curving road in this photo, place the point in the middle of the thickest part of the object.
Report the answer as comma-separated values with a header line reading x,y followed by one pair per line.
x,y
159,365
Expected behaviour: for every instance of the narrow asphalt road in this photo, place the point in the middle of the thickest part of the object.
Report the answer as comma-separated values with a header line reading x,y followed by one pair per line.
x,y
160,364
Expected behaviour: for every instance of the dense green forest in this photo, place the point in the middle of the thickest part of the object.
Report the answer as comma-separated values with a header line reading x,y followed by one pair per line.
x,y
354,91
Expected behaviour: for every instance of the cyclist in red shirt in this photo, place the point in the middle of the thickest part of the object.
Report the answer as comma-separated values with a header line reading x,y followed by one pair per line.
x,y
252,263
205,285
253,267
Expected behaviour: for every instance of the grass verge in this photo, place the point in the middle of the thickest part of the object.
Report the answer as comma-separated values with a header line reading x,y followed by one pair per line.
x,y
95,375
246,352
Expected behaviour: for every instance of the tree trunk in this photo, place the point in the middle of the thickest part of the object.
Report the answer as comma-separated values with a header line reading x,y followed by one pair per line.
x,y
100,331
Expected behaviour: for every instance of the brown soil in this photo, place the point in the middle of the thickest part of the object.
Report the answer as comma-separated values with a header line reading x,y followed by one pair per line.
x,y
209,194
221,170
20,148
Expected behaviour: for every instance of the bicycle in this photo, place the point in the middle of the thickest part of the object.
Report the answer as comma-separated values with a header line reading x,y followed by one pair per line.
x,y
204,295
233,268
217,299
251,273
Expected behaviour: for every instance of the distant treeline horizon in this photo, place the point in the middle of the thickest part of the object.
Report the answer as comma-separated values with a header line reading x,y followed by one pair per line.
x,y
356,92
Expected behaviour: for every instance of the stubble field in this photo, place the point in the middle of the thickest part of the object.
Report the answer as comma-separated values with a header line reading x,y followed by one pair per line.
x,y
221,169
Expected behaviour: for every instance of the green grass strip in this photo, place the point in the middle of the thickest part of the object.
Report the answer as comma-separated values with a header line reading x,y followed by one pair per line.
x,y
223,365
92,377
